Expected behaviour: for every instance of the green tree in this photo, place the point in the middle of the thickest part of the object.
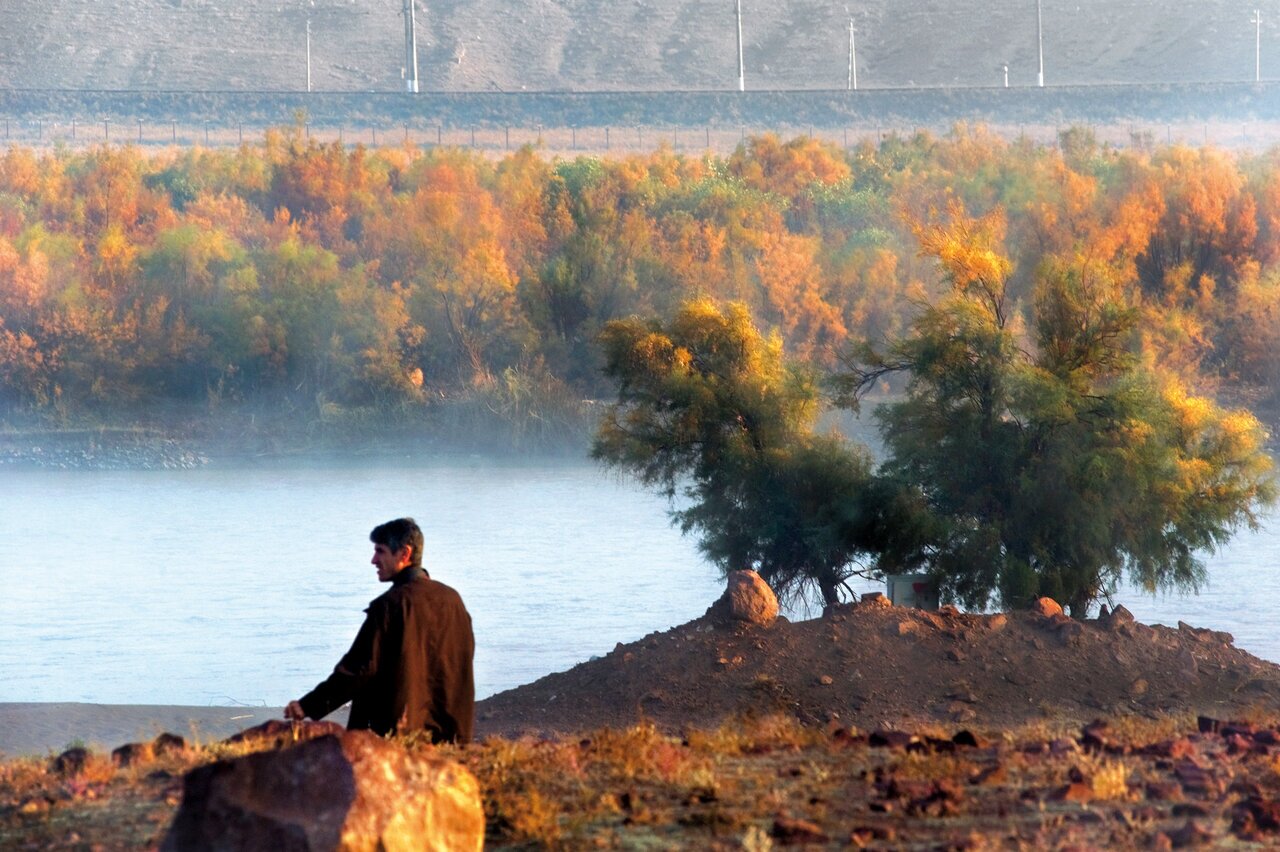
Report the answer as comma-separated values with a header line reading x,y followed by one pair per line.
x,y
1051,462
709,412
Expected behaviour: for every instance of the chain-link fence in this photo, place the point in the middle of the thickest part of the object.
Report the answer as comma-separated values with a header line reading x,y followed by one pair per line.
x,y
74,132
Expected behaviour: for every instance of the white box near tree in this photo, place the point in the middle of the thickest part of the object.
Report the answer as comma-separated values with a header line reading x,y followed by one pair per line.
x,y
912,590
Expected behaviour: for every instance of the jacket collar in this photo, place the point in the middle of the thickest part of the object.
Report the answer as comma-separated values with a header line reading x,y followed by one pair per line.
x,y
408,575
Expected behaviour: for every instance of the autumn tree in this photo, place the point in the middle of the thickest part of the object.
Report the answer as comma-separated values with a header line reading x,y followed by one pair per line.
x,y
1050,462
711,415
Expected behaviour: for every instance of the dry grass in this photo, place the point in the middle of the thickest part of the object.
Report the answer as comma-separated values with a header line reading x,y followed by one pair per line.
x,y
754,783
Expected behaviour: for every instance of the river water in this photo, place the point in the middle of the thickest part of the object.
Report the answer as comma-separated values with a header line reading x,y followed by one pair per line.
x,y
234,585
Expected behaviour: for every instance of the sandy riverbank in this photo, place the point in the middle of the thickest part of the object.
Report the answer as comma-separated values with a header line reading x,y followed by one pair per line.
x,y
38,728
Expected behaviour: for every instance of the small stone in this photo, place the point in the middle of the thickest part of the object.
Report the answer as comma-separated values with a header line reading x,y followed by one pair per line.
x,y
282,733
1063,745
36,805
1119,616
1076,791
1192,834
1138,688
862,837
1046,606
167,744
826,680
996,774
1164,791
997,622
1208,725
1243,744
71,761
1256,814
1093,737
788,831
132,754
1196,780
891,739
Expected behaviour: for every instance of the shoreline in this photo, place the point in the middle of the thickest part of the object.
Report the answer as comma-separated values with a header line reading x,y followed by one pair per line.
x,y
127,449
37,728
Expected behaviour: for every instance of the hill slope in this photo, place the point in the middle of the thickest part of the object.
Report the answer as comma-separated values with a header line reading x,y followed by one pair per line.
x,y
874,666
507,45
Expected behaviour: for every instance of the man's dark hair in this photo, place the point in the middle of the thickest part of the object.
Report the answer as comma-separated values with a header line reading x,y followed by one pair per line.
x,y
396,534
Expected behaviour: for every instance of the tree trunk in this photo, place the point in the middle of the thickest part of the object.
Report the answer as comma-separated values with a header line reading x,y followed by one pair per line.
x,y
1078,606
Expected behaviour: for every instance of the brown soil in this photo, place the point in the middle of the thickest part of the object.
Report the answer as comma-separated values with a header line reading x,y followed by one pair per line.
x,y
954,732
880,666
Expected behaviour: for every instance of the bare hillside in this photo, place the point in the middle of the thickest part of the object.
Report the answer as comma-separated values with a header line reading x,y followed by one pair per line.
x,y
509,45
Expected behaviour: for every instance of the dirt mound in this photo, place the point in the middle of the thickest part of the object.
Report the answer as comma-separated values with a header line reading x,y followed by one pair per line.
x,y
874,665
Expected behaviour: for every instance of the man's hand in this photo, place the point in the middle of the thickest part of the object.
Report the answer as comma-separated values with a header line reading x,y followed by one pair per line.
x,y
294,713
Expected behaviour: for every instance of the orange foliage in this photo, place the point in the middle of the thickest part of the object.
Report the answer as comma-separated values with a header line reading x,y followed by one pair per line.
x,y
363,276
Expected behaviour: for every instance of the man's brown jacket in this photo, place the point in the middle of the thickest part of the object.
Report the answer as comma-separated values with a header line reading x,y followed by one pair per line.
x,y
409,668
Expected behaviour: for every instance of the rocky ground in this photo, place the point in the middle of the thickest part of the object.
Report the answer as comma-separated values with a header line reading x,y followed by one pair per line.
x,y
874,665
755,784
874,727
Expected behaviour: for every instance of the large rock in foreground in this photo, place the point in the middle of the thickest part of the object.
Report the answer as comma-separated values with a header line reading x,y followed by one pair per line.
x,y
353,792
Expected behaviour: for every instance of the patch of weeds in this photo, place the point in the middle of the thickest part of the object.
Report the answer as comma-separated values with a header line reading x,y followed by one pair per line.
x,y
1143,731
532,791
638,752
931,766
756,839
755,734
530,817
1110,781
1108,778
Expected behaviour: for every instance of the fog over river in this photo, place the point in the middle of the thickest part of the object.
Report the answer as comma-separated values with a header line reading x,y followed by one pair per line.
x,y
229,585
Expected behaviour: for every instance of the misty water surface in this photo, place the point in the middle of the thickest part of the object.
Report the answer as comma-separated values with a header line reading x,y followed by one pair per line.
x,y
221,586
217,585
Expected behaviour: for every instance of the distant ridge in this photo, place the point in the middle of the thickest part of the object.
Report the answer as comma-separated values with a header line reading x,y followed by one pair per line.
x,y
577,45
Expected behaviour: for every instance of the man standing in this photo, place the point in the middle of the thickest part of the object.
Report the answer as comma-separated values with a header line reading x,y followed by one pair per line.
x,y
409,668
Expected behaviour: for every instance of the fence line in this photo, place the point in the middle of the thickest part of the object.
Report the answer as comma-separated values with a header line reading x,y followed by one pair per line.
x,y
602,139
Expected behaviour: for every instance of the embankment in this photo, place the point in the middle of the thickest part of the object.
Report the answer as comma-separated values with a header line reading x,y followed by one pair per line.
x,y
890,108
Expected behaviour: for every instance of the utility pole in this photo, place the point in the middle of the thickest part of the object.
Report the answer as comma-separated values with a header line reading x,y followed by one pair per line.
x,y
853,59
1040,43
308,53
410,49
1257,45
1005,67
742,72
